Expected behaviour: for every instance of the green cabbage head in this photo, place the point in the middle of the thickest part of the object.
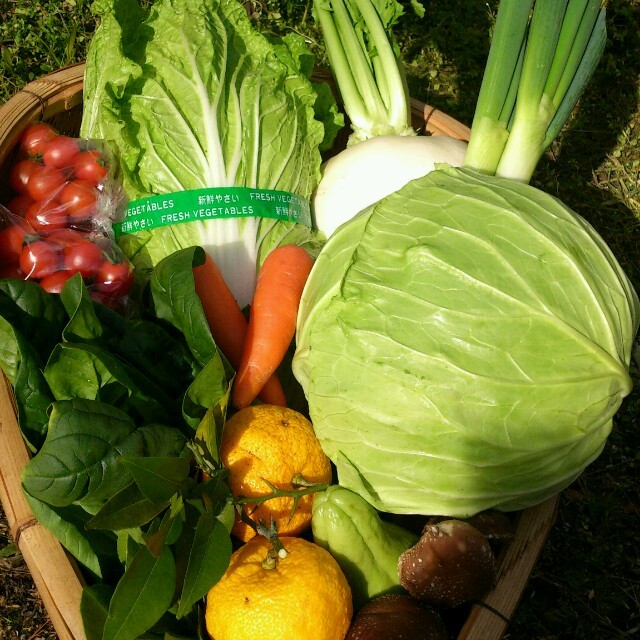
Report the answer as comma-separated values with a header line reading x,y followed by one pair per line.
x,y
464,344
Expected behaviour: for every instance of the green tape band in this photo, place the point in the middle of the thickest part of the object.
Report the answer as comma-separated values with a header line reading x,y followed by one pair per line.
x,y
199,205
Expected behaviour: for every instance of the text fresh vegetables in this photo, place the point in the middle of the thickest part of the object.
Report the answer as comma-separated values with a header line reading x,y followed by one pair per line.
x,y
474,328
191,95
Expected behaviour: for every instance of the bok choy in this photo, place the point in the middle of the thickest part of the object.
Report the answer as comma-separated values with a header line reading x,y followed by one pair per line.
x,y
191,96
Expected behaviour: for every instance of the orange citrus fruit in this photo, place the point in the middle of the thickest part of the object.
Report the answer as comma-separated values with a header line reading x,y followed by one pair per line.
x,y
266,442
304,597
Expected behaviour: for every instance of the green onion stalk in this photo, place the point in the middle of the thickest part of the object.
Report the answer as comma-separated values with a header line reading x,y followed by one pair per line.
x,y
543,53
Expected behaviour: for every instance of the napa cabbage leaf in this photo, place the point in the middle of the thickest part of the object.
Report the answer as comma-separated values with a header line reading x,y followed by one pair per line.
x,y
190,95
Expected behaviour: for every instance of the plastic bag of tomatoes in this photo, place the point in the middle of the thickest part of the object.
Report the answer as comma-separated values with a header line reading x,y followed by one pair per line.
x,y
59,219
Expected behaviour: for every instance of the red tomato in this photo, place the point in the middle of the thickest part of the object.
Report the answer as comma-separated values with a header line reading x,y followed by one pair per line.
x,y
44,182
20,173
47,214
19,205
83,257
35,136
91,166
55,282
11,271
40,259
79,198
115,278
60,152
11,241
64,237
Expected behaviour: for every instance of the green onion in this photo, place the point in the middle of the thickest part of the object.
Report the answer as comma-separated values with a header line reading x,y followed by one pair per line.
x,y
365,62
542,56
497,97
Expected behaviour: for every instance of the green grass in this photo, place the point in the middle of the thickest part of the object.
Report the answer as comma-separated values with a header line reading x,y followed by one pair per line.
x,y
586,584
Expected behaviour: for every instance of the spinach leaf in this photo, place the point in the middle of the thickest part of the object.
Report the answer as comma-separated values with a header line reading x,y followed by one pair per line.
x,y
159,351
88,371
175,300
211,388
208,560
83,322
94,608
37,314
79,457
142,595
127,509
22,365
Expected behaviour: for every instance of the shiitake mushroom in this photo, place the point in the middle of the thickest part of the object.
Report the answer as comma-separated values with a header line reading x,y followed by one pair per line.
x,y
452,564
494,525
397,617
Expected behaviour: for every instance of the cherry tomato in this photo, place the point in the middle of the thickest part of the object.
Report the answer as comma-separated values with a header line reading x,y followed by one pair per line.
x,y
91,166
44,182
20,173
47,214
79,198
60,152
19,205
115,278
83,257
11,241
40,259
35,136
11,271
64,237
55,282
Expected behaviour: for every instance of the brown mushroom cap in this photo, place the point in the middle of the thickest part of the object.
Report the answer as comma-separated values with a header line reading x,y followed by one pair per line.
x,y
397,617
494,525
452,564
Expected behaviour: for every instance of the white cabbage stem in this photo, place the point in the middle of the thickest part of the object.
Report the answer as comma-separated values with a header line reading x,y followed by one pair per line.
x,y
366,172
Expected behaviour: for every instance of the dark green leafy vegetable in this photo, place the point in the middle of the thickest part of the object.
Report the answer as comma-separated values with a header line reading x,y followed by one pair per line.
x,y
112,477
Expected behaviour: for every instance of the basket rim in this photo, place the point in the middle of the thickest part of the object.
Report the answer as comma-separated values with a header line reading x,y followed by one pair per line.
x,y
40,99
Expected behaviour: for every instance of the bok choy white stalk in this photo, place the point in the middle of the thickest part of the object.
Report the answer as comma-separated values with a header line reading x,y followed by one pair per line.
x,y
190,96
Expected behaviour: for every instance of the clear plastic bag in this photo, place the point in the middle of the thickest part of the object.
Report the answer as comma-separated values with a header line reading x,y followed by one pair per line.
x,y
59,219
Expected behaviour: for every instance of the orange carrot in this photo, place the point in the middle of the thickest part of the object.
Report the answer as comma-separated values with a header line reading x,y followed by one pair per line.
x,y
228,324
272,320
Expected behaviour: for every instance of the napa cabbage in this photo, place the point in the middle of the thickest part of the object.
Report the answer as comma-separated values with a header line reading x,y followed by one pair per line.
x,y
189,95
464,344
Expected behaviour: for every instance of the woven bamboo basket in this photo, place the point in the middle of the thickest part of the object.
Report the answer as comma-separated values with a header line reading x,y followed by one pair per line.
x,y
57,98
